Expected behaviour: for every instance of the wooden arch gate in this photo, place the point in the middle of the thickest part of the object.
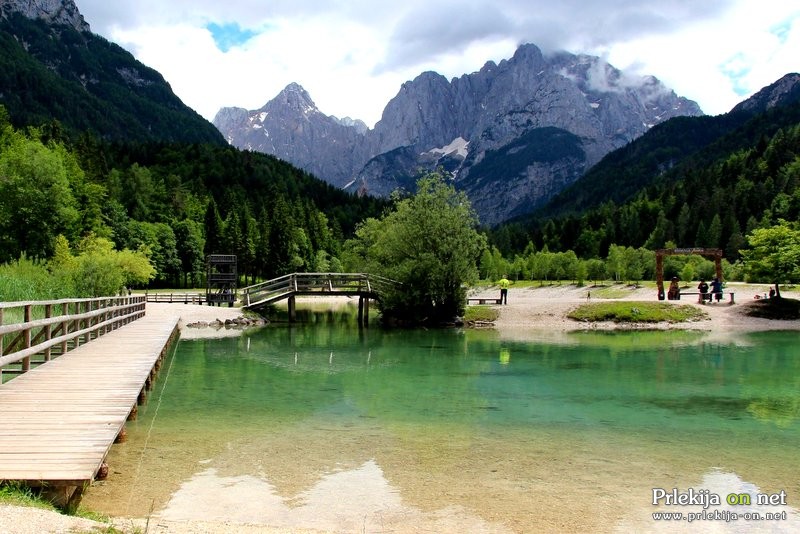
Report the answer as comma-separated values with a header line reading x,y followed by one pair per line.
x,y
715,253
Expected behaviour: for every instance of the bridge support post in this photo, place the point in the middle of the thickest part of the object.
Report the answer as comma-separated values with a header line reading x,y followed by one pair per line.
x,y
363,310
67,498
292,314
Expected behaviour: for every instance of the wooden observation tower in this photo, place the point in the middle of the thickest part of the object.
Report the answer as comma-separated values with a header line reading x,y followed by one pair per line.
x,y
221,279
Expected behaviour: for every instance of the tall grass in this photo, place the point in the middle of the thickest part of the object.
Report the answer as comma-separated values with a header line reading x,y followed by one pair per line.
x,y
21,495
26,279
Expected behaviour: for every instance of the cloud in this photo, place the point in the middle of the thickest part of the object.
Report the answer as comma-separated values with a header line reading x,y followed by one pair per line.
x,y
439,29
352,56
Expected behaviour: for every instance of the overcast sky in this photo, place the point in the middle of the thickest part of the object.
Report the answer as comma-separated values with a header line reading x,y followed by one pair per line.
x,y
353,55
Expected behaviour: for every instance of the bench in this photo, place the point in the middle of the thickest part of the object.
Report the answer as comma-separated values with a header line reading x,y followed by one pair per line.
x,y
483,300
708,296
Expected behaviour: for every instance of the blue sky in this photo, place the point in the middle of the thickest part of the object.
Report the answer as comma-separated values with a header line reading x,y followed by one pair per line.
x,y
229,35
352,56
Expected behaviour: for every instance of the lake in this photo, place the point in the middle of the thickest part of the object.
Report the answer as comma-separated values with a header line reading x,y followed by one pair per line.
x,y
327,426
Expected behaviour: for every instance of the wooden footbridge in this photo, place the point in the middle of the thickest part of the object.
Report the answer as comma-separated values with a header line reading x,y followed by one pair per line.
x,y
364,286
59,420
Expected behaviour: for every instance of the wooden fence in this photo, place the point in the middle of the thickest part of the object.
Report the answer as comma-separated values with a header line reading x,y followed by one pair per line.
x,y
32,333
180,298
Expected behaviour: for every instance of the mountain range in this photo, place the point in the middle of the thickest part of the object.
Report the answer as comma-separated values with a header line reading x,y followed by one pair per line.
x,y
512,135
532,138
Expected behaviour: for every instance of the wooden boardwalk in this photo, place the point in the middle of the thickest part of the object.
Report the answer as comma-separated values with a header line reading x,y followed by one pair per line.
x,y
58,421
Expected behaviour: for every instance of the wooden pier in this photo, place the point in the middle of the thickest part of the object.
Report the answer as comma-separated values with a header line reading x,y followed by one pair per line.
x,y
59,420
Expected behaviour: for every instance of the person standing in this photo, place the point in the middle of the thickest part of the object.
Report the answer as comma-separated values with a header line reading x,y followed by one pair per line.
x,y
504,283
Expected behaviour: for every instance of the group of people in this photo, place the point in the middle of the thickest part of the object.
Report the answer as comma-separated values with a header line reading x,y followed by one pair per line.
x,y
772,293
716,290
707,292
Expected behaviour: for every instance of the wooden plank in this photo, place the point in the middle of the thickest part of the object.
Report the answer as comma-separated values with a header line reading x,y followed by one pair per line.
x,y
58,421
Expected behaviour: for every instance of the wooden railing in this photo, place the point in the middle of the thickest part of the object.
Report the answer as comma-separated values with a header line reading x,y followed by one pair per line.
x,y
314,284
32,333
180,298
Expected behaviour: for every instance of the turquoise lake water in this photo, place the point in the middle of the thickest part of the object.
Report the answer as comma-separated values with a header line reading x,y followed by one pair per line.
x,y
329,427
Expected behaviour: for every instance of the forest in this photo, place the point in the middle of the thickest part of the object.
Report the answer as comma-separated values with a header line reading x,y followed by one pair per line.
x,y
170,203
712,201
68,204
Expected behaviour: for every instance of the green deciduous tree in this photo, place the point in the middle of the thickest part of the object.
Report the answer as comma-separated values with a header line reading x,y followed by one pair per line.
x,y
36,202
430,244
774,254
99,270
595,269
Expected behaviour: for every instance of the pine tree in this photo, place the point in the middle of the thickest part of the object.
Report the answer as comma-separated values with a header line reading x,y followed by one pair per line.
x,y
213,229
715,232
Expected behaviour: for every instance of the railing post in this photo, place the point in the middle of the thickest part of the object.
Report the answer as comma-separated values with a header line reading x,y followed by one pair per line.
x,y
76,326
26,362
48,313
92,320
87,323
107,315
1,337
64,326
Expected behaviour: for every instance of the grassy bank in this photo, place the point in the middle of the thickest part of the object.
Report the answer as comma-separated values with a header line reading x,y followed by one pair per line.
x,y
637,312
480,314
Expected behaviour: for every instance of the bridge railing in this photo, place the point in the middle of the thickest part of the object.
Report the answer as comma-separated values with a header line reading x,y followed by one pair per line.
x,y
32,333
355,283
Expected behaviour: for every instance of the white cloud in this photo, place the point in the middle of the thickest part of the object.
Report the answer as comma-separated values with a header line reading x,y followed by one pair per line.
x,y
353,56
719,62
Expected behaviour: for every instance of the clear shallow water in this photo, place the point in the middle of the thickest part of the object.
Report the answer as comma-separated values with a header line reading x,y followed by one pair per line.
x,y
330,427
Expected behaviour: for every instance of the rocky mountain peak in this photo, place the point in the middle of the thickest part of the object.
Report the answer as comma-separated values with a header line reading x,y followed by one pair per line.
x,y
782,92
295,98
528,53
51,11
